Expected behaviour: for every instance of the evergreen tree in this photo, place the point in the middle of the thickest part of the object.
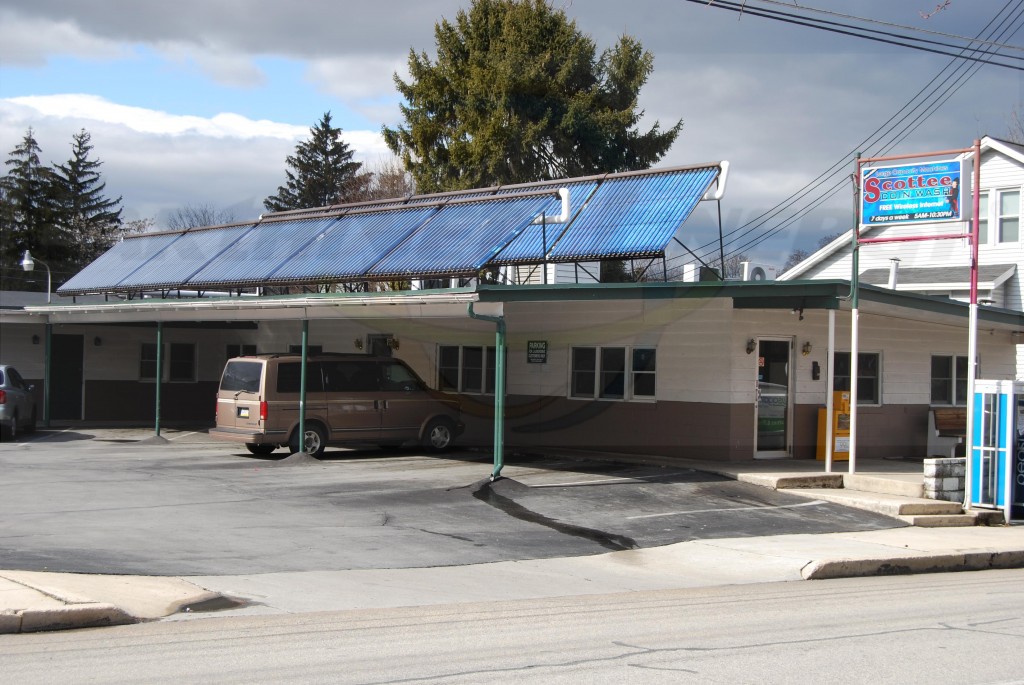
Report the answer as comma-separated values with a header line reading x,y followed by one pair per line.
x,y
320,173
518,94
93,221
27,217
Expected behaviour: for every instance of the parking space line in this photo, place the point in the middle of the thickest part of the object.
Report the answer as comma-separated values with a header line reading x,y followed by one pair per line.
x,y
611,480
183,435
812,503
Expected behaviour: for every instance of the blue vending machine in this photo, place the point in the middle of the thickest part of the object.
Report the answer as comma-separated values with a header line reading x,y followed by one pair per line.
x,y
995,469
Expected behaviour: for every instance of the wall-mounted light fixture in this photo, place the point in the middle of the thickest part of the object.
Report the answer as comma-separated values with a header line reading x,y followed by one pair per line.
x,y
751,346
358,342
35,339
806,349
799,311
97,341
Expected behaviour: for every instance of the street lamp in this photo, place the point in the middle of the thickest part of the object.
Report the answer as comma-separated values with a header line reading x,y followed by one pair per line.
x,y
29,264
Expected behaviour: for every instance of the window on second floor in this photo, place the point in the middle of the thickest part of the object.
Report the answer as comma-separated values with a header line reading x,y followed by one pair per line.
x,y
1008,219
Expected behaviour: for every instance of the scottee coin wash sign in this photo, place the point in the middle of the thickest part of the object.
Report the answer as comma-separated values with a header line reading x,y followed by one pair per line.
x,y
911,193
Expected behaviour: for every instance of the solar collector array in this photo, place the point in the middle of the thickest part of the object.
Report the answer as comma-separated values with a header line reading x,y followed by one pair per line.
x,y
614,216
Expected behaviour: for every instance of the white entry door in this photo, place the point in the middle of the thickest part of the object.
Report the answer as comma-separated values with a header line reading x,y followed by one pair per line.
x,y
773,404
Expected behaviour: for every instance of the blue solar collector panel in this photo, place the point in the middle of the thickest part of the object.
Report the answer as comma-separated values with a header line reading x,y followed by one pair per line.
x,y
461,237
634,216
255,256
117,263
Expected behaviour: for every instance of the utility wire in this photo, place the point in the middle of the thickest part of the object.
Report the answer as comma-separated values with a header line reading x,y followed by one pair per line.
x,y
869,20
930,102
857,32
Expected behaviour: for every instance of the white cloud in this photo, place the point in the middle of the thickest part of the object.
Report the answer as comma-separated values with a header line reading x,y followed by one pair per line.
x,y
30,41
355,76
225,67
94,108
160,162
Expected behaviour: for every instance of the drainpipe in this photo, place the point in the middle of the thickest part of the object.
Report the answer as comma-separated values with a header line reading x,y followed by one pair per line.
x,y
499,388
159,371
47,368
302,386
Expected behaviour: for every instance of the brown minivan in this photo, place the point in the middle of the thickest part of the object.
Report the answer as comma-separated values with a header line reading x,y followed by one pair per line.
x,y
350,399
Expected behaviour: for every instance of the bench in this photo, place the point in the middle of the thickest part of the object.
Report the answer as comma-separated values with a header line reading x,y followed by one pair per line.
x,y
947,430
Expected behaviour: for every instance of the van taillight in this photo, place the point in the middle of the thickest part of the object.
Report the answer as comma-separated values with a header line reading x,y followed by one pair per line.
x,y
3,397
263,411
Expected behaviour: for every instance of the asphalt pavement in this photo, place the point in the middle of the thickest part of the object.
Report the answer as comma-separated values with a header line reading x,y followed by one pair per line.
x,y
370,529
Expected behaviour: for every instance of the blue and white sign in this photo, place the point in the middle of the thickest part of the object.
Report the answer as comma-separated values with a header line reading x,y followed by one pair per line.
x,y
911,193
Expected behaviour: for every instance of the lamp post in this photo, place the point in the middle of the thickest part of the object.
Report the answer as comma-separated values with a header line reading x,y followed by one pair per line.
x,y
29,264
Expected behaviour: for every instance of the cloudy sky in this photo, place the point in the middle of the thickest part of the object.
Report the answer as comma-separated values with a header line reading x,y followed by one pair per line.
x,y
198,102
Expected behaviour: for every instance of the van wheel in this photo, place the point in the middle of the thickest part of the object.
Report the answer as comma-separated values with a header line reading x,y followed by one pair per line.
x,y
314,443
439,435
259,450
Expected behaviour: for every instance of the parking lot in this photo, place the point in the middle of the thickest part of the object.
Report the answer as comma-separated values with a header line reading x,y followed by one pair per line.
x,y
104,501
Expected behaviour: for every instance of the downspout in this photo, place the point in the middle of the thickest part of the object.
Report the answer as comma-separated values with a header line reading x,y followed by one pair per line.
x,y
302,387
499,388
159,371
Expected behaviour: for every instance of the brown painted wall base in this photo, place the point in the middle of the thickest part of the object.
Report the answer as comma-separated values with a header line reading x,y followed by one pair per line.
x,y
695,430
133,401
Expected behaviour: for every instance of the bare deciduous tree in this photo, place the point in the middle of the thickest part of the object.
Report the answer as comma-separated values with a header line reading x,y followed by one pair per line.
x,y
194,216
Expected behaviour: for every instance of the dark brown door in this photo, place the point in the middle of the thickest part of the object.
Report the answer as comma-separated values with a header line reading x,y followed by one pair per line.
x,y
66,369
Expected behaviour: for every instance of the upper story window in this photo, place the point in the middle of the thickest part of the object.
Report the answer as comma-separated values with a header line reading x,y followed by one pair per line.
x,y
1009,216
983,219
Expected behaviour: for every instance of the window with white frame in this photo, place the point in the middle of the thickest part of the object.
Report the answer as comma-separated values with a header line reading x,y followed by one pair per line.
x,y
1008,216
466,368
983,219
179,362
613,373
949,380
869,379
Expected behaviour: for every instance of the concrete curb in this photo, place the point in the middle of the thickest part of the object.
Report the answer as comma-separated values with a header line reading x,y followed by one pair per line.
x,y
908,565
64,618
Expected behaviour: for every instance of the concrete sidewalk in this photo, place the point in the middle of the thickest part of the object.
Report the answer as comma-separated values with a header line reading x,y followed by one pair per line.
x,y
32,601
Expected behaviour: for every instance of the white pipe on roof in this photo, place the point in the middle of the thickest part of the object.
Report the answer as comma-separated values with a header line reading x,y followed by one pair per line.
x,y
562,218
720,188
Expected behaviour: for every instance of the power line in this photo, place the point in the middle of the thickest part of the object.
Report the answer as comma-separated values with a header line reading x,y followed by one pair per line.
x,y
979,55
948,85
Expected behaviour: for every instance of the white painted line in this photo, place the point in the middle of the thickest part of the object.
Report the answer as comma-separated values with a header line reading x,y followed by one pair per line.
x,y
185,435
812,503
611,480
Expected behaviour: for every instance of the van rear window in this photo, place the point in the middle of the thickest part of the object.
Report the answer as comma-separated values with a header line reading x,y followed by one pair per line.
x,y
244,376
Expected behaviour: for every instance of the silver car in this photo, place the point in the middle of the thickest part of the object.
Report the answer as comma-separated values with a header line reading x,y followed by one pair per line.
x,y
17,404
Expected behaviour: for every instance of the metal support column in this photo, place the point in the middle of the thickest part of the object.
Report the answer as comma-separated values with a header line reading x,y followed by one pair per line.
x,y
499,389
159,371
47,372
302,387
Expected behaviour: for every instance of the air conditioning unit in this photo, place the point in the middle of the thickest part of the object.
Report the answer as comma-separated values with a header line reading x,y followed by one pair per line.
x,y
752,271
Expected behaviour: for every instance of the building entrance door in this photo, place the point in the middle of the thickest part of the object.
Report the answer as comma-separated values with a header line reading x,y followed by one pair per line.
x,y
773,403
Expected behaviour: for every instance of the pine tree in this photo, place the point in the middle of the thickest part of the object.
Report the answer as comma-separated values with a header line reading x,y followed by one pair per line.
x,y
93,221
320,173
519,94
27,216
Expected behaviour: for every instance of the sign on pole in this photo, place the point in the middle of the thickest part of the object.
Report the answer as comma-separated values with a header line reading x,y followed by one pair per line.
x,y
912,193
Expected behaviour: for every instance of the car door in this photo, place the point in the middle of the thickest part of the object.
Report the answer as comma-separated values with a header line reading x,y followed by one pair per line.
x,y
283,403
407,404
352,389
